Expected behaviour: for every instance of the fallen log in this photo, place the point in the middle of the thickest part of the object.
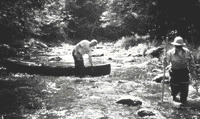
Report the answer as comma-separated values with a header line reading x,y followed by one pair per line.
x,y
15,66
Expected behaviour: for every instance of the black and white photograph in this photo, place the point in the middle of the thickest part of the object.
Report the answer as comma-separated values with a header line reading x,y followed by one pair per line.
x,y
99,59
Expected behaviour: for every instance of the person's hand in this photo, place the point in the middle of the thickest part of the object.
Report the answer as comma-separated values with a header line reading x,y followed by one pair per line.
x,y
196,84
194,75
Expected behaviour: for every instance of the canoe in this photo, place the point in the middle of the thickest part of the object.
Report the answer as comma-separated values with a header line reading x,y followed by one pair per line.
x,y
15,66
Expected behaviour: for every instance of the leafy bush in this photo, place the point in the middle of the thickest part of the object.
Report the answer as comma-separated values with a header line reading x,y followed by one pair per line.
x,y
53,33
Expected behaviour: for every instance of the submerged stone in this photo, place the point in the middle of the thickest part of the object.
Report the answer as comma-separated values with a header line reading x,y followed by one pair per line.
x,y
144,112
155,52
129,102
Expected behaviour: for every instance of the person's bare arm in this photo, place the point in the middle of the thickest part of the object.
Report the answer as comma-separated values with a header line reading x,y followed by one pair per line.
x,y
90,59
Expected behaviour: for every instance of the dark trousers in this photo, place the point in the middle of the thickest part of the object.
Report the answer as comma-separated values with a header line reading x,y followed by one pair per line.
x,y
79,63
179,83
181,88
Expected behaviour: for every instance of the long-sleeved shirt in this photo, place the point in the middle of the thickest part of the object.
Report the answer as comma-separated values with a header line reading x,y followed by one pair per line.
x,y
181,59
82,48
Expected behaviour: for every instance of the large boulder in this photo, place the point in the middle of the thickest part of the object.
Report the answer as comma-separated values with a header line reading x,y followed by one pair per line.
x,y
159,77
154,52
35,44
130,101
40,44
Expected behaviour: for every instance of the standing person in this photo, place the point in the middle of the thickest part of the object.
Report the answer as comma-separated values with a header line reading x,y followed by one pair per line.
x,y
181,63
83,47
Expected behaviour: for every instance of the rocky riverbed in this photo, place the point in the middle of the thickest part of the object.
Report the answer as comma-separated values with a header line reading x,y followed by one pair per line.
x,y
129,92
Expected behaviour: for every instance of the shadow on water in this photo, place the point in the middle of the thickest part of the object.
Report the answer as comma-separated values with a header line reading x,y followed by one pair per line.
x,y
19,95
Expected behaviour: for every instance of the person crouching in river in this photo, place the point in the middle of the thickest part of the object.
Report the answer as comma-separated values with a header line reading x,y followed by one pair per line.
x,y
181,63
83,47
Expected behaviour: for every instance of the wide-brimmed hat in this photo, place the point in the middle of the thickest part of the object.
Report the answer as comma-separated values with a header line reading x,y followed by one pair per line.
x,y
93,42
178,41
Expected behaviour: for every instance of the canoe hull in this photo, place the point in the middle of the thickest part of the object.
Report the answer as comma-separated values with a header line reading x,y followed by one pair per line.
x,y
19,67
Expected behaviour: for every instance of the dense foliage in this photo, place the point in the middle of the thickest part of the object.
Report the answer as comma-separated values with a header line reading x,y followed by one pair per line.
x,y
179,16
60,20
84,17
17,18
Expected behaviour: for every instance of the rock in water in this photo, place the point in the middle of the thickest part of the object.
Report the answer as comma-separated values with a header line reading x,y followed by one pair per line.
x,y
97,55
155,52
110,58
41,44
143,113
156,70
149,113
129,60
129,102
136,55
55,59
160,77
